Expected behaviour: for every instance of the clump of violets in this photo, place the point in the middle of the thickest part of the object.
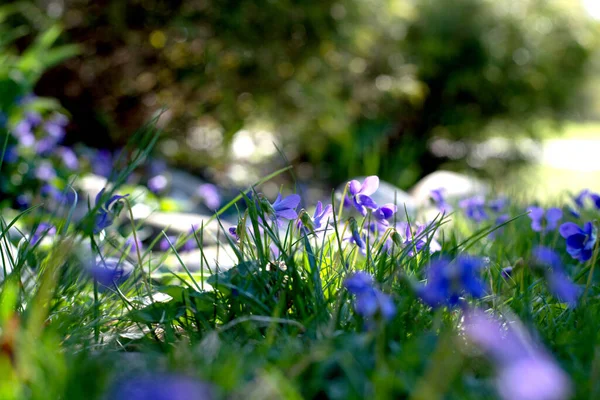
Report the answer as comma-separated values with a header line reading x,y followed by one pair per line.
x,y
370,301
524,370
559,283
580,241
544,220
360,194
449,281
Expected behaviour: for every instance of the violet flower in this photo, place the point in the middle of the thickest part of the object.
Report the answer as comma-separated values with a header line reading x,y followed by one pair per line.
x,y
209,193
43,229
448,281
285,208
370,301
416,239
106,215
544,220
525,372
45,171
69,158
580,242
437,195
161,387
361,193
158,183
111,271
474,208
559,283
384,213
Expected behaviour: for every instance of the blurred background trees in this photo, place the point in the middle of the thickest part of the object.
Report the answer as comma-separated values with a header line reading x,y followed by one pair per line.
x,y
346,87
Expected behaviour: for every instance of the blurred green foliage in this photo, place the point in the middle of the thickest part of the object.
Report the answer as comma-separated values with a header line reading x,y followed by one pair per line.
x,y
348,87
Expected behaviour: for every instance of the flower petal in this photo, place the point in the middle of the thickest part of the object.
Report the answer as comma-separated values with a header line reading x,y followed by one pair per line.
x,y
289,202
370,185
568,229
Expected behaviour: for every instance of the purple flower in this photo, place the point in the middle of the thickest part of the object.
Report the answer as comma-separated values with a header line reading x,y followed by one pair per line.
x,y
233,232
384,213
437,195
544,220
416,239
55,127
319,218
559,283
361,193
580,198
111,271
69,158
285,208
498,205
105,215
45,145
161,387
44,229
209,193
165,243
474,208
26,126
580,242
525,372
369,300
536,377
158,183
11,155
45,171
102,163
500,219
132,245
448,281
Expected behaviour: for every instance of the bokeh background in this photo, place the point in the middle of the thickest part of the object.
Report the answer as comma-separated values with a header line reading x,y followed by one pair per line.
x,y
504,89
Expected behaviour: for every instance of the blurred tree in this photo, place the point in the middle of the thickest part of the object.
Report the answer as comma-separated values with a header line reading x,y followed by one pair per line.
x,y
349,86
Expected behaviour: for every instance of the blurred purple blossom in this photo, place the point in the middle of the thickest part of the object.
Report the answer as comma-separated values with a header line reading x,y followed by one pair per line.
x,y
544,220
525,372
109,271
437,195
447,281
161,387
158,183
43,229
209,193
55,126
369,300
69,158
474,208
102,163
559,283
417,237
45,171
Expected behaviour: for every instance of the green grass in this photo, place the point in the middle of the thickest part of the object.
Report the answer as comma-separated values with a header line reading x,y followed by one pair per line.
x,y
283,326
